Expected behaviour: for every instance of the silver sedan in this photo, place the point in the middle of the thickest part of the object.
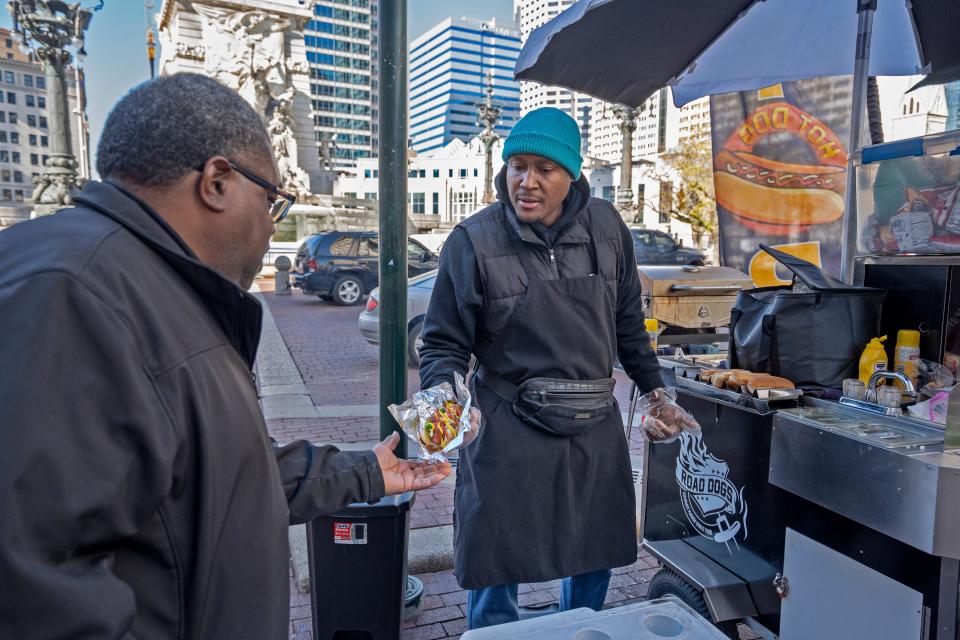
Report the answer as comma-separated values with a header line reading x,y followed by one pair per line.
x,y
418,297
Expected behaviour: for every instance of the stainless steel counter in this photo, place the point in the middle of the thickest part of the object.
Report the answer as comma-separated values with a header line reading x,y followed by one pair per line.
x,y
890,474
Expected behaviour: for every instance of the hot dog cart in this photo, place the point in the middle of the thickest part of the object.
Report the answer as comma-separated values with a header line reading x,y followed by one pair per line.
x,y
808,518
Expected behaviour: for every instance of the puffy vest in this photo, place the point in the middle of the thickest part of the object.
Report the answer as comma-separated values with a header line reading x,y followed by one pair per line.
x,y
503,276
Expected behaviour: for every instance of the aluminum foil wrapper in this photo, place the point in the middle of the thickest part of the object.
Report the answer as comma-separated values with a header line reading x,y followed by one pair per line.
x,y
413,414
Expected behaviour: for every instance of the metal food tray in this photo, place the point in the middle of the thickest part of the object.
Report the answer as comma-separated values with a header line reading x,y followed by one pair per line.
x,y
777,394
689,368
887,433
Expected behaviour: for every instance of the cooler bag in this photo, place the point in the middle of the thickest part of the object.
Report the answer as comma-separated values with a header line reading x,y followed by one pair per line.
x,y
811,332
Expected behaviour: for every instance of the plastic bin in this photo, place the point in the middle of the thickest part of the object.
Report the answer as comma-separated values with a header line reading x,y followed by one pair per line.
x,y
652,620
908,196
358,570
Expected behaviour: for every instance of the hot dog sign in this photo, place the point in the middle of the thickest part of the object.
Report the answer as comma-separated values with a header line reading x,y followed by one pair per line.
x,y
780,170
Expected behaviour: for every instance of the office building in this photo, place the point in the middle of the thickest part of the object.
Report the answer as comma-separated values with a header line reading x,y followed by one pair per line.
x,y
341,49
450,66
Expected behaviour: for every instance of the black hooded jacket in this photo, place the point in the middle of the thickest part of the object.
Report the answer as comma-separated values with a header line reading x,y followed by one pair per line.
x,y
140,494
458,318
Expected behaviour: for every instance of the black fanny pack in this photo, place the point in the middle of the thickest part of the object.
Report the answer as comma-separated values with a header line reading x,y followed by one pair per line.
x,y
557,406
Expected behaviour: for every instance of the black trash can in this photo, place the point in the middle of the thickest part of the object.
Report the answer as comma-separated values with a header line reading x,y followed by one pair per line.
x,y
358,570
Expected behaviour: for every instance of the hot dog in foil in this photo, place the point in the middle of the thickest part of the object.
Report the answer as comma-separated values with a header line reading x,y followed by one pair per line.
x,y
437,419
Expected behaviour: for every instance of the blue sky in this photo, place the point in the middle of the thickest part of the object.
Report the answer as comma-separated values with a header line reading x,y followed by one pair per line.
x,y
117,58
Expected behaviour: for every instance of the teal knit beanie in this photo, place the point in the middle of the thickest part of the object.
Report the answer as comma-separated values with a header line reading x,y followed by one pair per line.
x,y
550,133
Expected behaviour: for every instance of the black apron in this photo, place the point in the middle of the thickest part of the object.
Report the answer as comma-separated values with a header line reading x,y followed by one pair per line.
x,y
533,506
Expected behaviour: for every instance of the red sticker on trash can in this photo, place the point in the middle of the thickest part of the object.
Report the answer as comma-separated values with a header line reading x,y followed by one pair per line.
x,y
349,533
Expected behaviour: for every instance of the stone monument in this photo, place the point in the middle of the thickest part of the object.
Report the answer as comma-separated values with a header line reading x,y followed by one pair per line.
x,y
258,49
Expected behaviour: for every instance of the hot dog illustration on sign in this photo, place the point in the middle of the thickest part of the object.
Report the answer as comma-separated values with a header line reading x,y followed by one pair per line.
x,y
713,504
781,198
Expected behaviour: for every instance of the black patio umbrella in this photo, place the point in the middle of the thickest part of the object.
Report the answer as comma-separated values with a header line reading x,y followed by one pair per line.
x,y
625,50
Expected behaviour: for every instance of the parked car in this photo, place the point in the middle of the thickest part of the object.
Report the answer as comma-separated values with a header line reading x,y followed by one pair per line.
x,y
344,266
418,297
657,247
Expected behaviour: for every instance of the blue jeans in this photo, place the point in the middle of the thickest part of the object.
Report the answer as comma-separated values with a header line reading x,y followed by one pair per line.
x,y
497,605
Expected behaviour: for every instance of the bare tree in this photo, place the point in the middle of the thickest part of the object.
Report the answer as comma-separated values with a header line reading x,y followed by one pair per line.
x,y
690,166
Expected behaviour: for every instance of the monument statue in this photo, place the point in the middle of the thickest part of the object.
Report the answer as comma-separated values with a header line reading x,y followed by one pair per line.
x,y
247,52
280,127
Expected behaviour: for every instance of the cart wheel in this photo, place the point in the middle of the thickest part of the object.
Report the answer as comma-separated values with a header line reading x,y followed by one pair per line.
x,y
667,583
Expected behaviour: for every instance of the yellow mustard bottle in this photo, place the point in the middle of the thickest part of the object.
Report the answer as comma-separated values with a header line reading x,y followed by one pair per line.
x,y
873,359
652,327
907,353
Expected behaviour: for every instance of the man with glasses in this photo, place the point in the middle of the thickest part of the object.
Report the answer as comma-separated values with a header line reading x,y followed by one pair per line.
x,y
140,494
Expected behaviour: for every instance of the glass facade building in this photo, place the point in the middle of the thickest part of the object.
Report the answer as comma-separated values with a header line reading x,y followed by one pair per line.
x,y
341,43
449,69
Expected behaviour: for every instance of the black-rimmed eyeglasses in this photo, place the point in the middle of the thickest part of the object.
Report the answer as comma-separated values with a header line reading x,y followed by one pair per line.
x,y
282,199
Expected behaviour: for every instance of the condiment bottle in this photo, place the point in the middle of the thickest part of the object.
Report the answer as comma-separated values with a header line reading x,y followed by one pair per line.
x,y
873,359
653,327
907,353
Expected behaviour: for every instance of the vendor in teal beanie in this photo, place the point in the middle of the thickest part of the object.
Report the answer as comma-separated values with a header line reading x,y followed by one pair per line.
x,y
541,288
542,179
550,133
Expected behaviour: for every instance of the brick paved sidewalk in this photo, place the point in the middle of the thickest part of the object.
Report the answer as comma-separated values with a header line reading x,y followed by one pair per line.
x,y
445,603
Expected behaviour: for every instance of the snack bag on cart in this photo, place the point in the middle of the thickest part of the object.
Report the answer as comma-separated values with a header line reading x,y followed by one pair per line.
x,y
437,419
662,418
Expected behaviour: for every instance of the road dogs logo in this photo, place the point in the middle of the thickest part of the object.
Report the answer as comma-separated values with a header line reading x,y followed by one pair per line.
x,y
713,505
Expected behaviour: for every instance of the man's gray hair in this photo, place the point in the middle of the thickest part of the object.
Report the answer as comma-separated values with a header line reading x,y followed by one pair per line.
x,y
165,128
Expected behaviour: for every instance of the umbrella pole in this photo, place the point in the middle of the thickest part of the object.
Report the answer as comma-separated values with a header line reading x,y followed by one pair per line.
x,y
865,11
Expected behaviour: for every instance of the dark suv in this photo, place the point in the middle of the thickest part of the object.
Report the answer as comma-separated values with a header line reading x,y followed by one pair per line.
x,y
657,247
343,266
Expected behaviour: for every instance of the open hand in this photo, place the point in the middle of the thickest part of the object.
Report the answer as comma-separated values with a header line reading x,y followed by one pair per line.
x,y
406,475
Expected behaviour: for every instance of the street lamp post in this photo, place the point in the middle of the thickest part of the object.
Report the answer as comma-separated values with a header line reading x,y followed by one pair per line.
x,y
49,27
627,123
488,113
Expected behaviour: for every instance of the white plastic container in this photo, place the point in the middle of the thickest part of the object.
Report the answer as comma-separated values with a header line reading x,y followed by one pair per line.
x,y
651,620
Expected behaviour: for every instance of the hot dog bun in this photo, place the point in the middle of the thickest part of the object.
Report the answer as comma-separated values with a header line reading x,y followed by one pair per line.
x,y
719,380
768,382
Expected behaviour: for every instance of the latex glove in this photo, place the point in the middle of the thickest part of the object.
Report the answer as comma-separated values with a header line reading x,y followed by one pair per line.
x,y
407,475
662,418
475,421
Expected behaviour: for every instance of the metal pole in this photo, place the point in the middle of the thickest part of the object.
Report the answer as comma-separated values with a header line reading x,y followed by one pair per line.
x,y
55,63
49,27
865,11
393,213
488,114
